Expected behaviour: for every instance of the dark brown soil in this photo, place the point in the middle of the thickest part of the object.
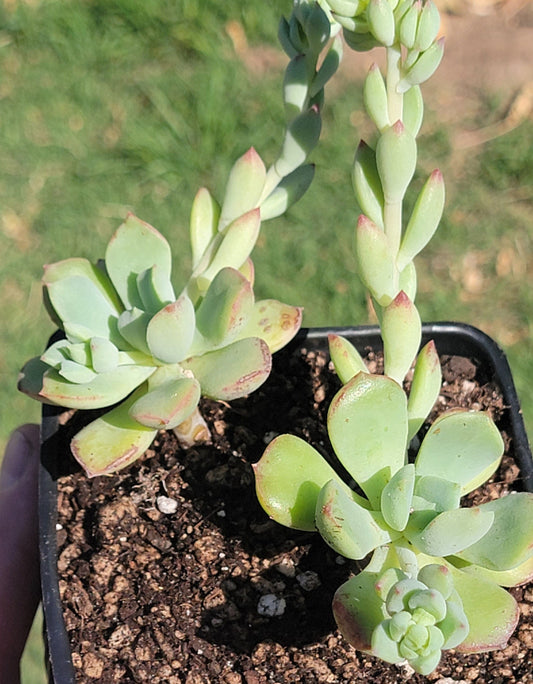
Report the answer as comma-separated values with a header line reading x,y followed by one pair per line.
x,y
175,597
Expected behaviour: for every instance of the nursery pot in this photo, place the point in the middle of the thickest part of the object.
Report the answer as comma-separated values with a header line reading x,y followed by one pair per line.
x,y
450,339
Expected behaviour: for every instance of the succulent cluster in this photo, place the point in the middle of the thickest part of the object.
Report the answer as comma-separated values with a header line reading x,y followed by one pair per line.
x,y
434,580
129,340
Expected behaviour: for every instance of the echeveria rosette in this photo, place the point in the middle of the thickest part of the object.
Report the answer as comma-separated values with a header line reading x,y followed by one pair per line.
x,y
408,505
129,339
403,617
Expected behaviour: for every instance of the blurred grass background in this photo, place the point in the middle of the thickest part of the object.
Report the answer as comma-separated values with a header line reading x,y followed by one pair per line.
x,y
109,106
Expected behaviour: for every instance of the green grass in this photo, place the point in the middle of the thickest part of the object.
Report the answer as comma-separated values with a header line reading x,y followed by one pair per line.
x,y
109,106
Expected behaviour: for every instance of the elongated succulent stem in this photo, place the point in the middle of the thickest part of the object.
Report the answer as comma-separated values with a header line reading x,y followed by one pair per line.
x,y
193,431
394,98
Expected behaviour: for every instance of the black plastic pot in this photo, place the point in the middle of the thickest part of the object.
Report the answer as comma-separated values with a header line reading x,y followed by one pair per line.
x,y
450,338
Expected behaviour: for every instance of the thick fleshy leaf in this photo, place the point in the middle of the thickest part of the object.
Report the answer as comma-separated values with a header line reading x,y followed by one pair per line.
x,y
83,268
521,574
509,542
450,531
155,289
104,355
396,160
132,325
57,353
345,358
444,494
46,384
349,528
205,214
288,191
112,441
233,371
425,387
79,301
401,330
397,497
424,219
300,139
76,372
463,447
367,425
274,322
288,480
168,404
367,184
383,646
243,189
358,609
375,261
237,242
491,611
225,308
135,247
170,332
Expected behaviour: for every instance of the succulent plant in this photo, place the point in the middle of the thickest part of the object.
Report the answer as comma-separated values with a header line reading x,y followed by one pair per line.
x,y
128,339
435,576
410,510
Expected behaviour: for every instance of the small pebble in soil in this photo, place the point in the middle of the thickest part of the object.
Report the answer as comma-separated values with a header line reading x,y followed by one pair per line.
x,y
166,505
308,580
271,605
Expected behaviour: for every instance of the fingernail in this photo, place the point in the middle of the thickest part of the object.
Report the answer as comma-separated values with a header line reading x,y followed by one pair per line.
x,y
16,460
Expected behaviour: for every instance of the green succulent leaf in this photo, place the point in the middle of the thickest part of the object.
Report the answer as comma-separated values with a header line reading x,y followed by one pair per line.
x,y
104,355
287,192
168,404
396,161
375,261
328,67
381,21
155,289
345,358
57,353
349,528
450,531
103,390
81,302
367,184
135,247
367,425
233,371
413,110
274,322
462,447
112,441
424,67
424,219
358,610
492,612
401,330
521,574
288,480
238,240
425,387
375,98
170,332
132,325
243,189
226,307
509,542
301,137
445,495
205,214
397,497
